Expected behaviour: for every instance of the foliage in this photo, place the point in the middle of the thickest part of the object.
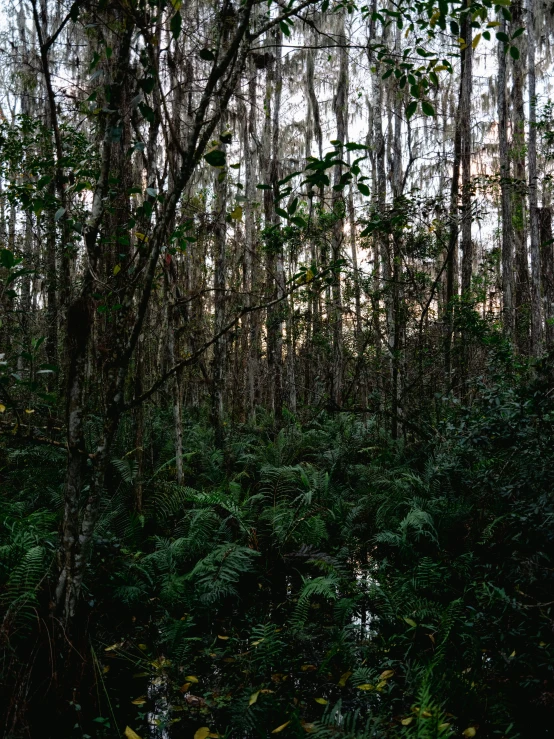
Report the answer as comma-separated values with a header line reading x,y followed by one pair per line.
x,y
323,577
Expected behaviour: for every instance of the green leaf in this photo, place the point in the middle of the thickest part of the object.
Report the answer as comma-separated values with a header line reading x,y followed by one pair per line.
x,y
364,189
207,55
176,25
427,108
298,221
411,109
7,258
59,213
215,158
501,36
284,28
514,52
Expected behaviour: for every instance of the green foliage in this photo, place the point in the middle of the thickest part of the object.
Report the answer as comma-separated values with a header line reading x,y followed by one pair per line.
x,y
323,576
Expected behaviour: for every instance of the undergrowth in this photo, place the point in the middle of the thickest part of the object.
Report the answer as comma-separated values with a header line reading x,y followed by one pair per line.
x,y
323,579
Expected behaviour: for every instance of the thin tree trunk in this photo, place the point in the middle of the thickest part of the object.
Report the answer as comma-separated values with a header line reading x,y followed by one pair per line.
x,y
519,190
536,298
340,105
465,124
507,242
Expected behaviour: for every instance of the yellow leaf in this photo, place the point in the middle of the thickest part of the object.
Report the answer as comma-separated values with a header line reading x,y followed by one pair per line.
x,y
321,701
493,24
309,275
184,688
280,728
253,698
105,669
309,727
365,686
386,674
265,691
308,668
117,269
410,622
202,733
343,678
541,644
380,685
142,646
224,638
141,237
29,411
191,678
236,214
255,643
2,408
475,41
112,648
130,734
139,701
513,654
426,714
470,731
443,726
407,721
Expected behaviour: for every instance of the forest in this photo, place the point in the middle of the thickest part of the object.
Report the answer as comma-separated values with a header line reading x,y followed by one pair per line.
x,y
276,369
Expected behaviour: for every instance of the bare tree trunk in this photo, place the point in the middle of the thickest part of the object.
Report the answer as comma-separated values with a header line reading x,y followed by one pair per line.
x,y
452,255
536,298
547,276
340,105
251,320
220,302
507,242
519,190
465,124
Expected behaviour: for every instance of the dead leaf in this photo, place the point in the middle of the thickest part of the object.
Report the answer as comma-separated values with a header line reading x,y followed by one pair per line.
x,y
308,668
386,674
280,728
407,721
343,678
140,701
184,688
224,638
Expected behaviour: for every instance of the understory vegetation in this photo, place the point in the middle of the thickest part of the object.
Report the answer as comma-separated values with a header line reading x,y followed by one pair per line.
x,y
323,579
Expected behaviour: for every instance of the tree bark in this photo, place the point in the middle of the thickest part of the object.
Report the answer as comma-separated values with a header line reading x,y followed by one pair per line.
x,y
536,297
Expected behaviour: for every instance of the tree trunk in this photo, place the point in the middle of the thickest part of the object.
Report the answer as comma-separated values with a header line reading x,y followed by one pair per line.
x,y
519,190
536,298
507,243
